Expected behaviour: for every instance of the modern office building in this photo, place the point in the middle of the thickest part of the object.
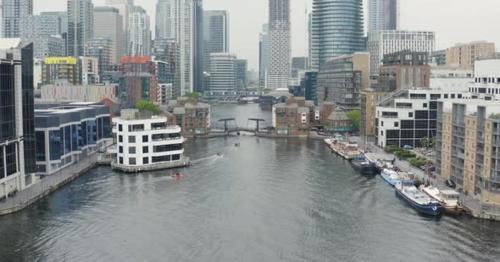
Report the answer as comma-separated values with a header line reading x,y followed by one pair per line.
x,y
60,21
280,48
222,75
409,116
264,48
215,34
383,15
241,67
139,33
17,123
337,29
12,12
309,83
385,42
124,8
45,32
178,23
138,80
464,55
146,142
101,48
167,51
108,24
198,67
299,64
69,132
405,69
60,70
342,79
80,26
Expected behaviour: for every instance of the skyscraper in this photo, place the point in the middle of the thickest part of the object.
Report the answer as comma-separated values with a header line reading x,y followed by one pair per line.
x,y
222,74
80,25
280,44
44,31
11,13
198,82
124,8
17,124
108,23
241,67
337,29
263,56
383,15
216,34
140,32
176,20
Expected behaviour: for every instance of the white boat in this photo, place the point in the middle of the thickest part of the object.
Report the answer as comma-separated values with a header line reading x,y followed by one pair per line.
x,y
393,177
449,199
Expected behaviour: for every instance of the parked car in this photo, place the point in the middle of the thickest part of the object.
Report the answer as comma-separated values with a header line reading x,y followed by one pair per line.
x,y
407,147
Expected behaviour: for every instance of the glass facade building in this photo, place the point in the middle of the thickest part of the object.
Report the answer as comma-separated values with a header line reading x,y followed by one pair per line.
x,y
337,29
17,137
66,132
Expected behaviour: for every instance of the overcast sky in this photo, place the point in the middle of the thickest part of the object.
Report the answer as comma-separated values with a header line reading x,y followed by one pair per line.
x,y
452,20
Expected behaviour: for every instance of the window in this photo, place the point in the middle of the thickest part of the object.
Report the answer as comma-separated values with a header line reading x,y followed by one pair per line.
x,y
120,139
425,105
131,150
167,148
145,149
120,149
176,157
452,96
410,114
145,139
445,96
396,124
120,160
157,159
131,139
120,128
132,161
145,160
381,123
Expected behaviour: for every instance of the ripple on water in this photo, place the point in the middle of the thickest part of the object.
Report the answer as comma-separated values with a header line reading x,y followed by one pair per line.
x,y
267,200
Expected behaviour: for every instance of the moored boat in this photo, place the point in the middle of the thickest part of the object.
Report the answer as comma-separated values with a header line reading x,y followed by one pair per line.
x,y
363,166
449,199
393,177
418,200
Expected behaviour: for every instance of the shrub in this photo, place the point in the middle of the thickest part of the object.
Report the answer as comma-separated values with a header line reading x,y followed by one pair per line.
x,y
401,153
391,149
417,161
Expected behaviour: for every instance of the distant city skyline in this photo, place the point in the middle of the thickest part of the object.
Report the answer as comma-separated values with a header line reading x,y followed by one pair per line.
x,y
445,17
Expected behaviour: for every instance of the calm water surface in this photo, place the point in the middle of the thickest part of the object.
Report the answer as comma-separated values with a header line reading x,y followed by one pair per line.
x,y
267,200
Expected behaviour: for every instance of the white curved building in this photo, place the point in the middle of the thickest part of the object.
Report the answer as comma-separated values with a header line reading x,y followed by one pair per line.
x,y
146,143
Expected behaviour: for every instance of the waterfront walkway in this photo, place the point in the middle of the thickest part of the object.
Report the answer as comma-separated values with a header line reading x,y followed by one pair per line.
x,y
46,185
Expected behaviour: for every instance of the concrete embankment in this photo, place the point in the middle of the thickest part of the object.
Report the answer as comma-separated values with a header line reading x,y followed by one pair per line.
x,y
46,186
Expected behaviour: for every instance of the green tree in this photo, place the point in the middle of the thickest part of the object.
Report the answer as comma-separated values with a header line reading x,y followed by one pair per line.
x,y
355,117
193,95
143,105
